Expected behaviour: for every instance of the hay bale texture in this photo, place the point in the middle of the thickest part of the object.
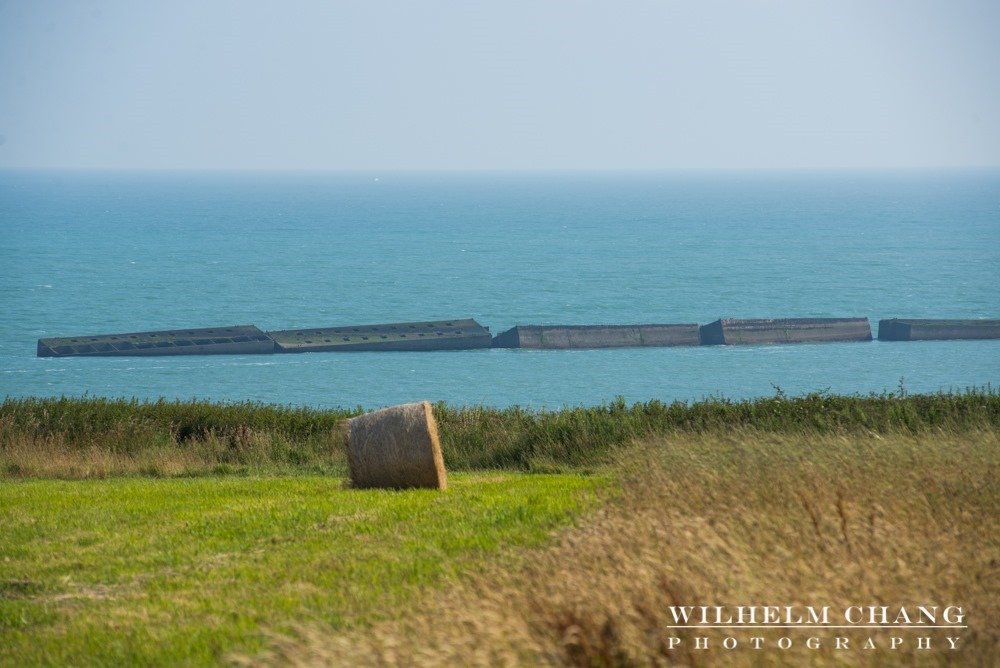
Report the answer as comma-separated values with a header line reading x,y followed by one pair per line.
x,y
396,447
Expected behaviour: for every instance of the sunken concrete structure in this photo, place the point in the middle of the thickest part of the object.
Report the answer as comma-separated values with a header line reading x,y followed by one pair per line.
x,y
412,336
234,340
895,329
785,330
563,337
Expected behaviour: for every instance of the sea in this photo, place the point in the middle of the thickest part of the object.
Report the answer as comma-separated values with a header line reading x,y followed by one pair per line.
x,y
105,252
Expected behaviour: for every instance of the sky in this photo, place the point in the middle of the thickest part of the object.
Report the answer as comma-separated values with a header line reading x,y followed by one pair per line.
x,y
502,85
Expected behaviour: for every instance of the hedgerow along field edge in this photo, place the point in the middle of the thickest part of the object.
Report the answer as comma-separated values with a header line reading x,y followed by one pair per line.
x,y
93,438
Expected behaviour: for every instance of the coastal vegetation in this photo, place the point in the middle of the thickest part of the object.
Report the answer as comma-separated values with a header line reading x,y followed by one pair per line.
x,y
166,532
94,437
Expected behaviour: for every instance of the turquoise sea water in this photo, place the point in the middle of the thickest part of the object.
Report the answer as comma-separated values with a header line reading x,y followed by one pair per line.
x,y
85,253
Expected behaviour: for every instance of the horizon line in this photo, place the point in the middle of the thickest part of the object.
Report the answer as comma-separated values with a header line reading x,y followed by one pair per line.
x,y
500,170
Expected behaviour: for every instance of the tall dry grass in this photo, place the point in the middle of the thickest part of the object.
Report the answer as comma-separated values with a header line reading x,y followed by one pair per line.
x,y
97,438
726,518
60,456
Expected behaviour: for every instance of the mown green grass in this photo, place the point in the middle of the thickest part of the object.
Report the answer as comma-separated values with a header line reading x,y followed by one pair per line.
x,y
145,571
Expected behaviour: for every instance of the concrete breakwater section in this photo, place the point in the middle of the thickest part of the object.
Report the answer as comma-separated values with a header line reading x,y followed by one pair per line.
x,y
896,329
247,339
437,335
785,330
232,340
562,337
467,334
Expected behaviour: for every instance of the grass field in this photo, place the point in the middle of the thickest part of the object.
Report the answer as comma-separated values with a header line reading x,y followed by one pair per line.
x,y
743,518
187,533
141,571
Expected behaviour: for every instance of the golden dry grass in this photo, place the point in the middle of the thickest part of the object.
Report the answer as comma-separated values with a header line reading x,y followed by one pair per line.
x,y
58,455
52,457
726,519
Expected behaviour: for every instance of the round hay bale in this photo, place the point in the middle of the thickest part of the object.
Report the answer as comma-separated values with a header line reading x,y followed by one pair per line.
x,y
396,447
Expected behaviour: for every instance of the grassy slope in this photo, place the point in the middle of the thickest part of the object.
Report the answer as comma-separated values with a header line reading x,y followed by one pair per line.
x,y
147,571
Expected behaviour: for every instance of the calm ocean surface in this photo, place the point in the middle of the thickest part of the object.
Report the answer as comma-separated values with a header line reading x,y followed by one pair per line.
x,y
85,253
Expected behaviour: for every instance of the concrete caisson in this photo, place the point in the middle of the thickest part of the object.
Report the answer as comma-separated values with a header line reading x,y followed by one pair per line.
x,y
563,337
400,336
785,330
896,329
232,340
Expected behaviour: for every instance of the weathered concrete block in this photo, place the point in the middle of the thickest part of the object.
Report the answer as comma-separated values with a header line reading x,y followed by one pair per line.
x,y
785,330
566,337
399,336
232,340
895,329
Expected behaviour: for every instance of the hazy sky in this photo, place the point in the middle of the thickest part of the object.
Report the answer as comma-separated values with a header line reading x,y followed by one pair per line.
x,y
507,84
